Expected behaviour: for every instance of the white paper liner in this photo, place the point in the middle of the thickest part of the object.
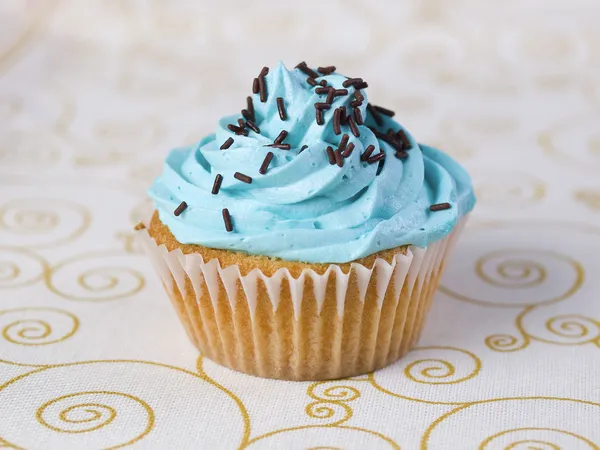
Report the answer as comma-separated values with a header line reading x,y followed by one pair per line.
x,y
408,273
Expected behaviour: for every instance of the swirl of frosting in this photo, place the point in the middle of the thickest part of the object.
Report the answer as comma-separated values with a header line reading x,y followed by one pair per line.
x,y
305,208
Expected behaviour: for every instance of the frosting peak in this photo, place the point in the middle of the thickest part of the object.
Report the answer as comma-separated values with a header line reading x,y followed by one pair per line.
x,y
310,171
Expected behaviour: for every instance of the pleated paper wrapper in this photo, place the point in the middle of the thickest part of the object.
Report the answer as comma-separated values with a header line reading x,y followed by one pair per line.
x,y
317,326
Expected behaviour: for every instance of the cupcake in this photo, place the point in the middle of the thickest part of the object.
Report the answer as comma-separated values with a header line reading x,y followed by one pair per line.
x,y
305,239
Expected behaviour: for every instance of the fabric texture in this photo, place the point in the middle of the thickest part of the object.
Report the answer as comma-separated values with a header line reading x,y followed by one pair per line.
x,y
92,96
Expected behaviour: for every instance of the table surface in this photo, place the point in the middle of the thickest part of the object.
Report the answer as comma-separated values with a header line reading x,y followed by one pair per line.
x,y
93,94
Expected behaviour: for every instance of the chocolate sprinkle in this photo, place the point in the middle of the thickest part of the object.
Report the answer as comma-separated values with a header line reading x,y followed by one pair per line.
x,y
304,147
373,159
319,117
312,81
322,90
226,144
348,150
326,70
375,114
338,158
264,72
361,85
250,107
181,208
343,117
322,105
323,83
440,207
255,86
242,177
336,121
343,142
366,155
262,88
265,165
227,220
253,126
331,155
329,100
281,108
351,81
217,184
241,123
246,114
390,137
237,130
358,116
404,138
356,103
401,154
385,111
280,146
307,70
340,92
353,127
358,96
279,139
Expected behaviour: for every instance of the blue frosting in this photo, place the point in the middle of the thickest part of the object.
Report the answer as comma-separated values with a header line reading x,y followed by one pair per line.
x,y
304,208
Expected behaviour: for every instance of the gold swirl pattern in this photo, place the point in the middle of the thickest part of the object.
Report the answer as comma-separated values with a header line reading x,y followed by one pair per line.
x,y
20,267
506,342
521,420
28,151
130,243
575,141
43,222
567,329
86,414
589,197
331,401
508,277
23,326
449,365
95,411
99,276
143,174
524,439
510,189
322,436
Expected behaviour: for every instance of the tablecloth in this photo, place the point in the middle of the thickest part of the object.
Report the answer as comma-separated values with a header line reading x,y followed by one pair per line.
x,y
94,93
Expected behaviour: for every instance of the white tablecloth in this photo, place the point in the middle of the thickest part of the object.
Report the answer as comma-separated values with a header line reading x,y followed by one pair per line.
x,y
94,93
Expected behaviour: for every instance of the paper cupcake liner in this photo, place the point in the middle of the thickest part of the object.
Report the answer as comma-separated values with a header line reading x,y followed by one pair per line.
x,y
313,327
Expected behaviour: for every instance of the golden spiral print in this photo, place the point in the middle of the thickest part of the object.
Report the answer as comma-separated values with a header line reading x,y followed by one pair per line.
x,y
330,401
116,403
589,197
42,222
440,371
516,278
538,439
570,329
84,412
575,141
95,277
508,189
20,267
518,424
426,368
506,342
37,326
